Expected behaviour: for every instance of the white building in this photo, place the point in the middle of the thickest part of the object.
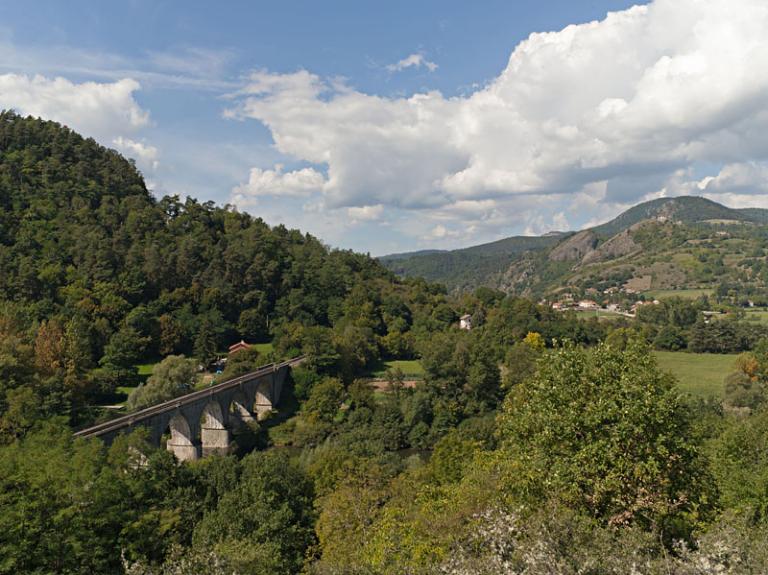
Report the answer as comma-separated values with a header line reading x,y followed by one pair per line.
x,y
465,322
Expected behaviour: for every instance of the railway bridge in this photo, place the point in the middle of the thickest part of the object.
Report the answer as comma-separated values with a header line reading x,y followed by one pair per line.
x,y
200,423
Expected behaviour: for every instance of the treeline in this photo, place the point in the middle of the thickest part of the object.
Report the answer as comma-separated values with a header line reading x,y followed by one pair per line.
x,y
676,324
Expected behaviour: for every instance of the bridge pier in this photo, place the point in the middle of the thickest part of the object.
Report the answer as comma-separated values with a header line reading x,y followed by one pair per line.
x,y
262,404
184,451
239,415
262,410
215,441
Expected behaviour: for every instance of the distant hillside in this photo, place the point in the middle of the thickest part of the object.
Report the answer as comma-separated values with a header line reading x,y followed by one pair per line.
x,y
406,255
465,268
621,248
757,215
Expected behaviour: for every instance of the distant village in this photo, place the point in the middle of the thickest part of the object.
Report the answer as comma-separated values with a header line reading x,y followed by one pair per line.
x,y
626,307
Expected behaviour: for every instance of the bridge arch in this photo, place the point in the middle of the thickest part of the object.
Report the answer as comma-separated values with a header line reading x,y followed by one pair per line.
x,y
262,401
214,434
239,413
213,416
181,441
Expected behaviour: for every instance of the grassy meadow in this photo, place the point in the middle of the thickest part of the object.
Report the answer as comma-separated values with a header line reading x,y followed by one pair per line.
x,y
411,368
759,315
699,374
264,348
681,293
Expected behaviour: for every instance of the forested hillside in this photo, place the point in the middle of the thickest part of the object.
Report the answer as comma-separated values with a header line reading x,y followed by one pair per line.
x,y
98,275
468,268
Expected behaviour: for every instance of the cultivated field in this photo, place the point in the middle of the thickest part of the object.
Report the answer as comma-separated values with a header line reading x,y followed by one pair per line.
x,y
682,293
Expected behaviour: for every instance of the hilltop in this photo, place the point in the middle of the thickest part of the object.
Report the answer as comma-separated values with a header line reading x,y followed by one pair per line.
x,y
684,209
667,243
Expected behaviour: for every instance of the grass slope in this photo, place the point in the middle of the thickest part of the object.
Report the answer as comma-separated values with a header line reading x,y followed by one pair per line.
x,y
699,374
411,368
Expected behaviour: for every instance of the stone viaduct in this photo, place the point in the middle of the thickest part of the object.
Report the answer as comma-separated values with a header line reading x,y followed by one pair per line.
x,y
200,423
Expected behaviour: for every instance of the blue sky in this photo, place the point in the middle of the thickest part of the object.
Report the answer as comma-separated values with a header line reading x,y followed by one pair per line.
x,y
392,126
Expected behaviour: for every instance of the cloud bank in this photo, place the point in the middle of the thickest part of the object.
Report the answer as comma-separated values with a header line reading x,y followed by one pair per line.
x,y
104,111
581,123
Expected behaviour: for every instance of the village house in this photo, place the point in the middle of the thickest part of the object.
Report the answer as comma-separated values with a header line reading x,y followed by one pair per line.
x,y
588,304
465,322
240,345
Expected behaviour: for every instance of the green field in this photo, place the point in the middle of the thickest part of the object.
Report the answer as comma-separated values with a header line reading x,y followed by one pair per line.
x,y
700,374
123,391
264,348
682,293
411,368
601,314
759,315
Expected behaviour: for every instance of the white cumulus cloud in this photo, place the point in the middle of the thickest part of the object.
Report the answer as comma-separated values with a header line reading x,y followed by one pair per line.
x,y
101,110
602,114
416,60
275,182
746,178
145,155
365,213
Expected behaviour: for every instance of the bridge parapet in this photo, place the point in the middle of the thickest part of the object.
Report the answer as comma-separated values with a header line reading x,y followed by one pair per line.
x,y
200,422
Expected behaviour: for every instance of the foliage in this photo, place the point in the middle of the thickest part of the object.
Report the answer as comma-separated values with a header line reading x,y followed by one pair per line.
x,y
67,507
515,453
242,362
172,377
742,391
98,276
264,523
740,463
605,432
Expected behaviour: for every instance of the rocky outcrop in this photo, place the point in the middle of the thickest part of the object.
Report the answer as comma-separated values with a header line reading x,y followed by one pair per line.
x,y
618,246
575,248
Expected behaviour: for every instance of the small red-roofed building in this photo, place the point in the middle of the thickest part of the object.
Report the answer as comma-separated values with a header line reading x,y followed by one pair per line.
x,y
240,345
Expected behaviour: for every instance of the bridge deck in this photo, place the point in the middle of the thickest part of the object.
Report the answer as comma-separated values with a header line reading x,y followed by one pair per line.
x,y
176,402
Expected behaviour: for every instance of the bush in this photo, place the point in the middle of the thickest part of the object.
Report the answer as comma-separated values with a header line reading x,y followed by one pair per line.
x,y
606,432
742,391
172,377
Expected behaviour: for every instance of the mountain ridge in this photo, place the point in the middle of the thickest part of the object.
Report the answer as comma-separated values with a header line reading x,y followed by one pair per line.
x,y
512,263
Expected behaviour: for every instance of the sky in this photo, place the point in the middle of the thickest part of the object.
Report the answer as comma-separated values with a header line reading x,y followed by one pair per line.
x,y
403,125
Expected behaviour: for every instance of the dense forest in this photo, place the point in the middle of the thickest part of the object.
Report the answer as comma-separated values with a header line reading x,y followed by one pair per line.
x,y
537,442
